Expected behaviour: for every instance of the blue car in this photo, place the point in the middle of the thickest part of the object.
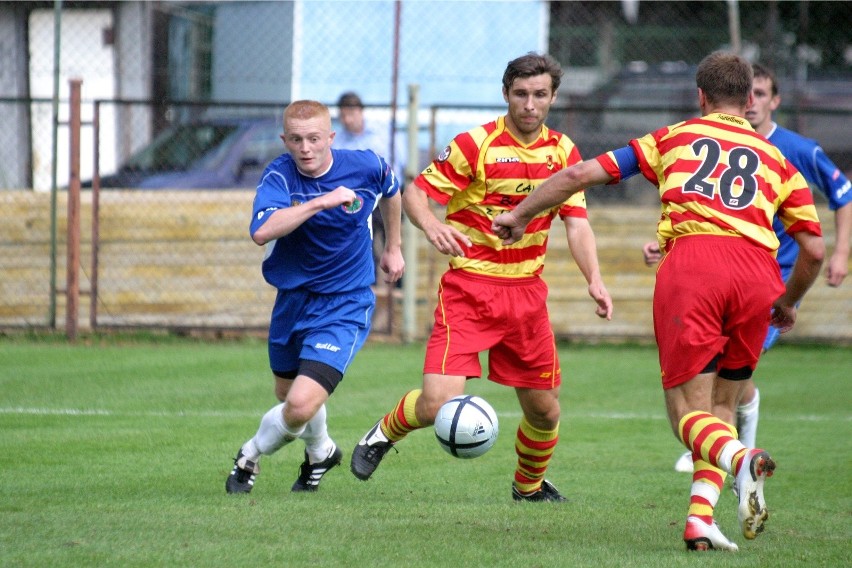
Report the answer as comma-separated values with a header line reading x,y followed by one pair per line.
x,y
213,154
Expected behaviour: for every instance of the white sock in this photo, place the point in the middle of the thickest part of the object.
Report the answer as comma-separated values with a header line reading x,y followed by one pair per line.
x,y
747,421
726,456
272,435
317,443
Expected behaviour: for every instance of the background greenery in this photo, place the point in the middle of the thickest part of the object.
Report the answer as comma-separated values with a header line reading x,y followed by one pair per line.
x,y
115,453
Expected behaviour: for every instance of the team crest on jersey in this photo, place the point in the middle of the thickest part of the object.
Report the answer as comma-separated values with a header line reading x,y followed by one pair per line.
x,y
356,205
549,162
444,155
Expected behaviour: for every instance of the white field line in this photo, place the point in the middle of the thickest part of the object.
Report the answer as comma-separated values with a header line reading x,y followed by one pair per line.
x,y
100,412
19,410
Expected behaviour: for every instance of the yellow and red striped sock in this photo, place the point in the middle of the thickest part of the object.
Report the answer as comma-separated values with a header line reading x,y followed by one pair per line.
x,y
534,448
713,440
707,484
401,420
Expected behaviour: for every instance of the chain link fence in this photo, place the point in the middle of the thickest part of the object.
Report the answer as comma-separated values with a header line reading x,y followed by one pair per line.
x,y
182,106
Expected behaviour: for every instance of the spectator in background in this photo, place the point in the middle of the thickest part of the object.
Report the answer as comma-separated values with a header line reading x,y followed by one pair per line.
x,y
357,134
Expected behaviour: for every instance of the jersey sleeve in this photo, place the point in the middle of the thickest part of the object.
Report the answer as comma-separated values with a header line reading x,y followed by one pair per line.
x,y
575,206
450,172
831,181
621,164
796,210
388,182
272,194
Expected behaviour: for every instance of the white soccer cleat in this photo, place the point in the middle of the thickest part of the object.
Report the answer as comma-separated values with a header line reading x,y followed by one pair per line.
x,y
700,536
684,463
752,513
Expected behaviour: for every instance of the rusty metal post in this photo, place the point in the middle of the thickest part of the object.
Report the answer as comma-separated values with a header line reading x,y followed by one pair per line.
x,y
72,288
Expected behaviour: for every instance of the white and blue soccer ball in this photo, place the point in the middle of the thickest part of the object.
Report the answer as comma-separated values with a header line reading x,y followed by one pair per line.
x,y
466,426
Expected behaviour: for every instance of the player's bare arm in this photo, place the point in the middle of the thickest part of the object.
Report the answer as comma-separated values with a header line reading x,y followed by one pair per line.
x,y
391,261
555,190
581,242
284,221
805,272
445,238
838,263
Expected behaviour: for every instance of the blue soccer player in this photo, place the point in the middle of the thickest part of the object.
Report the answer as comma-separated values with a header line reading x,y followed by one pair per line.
x,y
313,209
821,173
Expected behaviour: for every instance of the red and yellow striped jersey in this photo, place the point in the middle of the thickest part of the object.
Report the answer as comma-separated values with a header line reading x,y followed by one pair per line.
x,y
717,176
486,171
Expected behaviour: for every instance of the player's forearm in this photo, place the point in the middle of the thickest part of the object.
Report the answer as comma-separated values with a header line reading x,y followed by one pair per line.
x,y
583,247
391,209
415,203
559,187
284,221
555,190
806,269
843,230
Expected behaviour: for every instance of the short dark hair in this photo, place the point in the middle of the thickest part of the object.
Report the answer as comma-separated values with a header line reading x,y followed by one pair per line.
x,y
725,78
530,65
765,73
350,99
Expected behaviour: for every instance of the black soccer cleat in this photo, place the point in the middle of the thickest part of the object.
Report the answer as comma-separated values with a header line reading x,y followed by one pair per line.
x,y
369,452
547,492
241,479
310,474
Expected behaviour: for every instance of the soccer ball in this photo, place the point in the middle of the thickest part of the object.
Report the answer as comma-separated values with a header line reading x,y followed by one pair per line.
x,y
466,426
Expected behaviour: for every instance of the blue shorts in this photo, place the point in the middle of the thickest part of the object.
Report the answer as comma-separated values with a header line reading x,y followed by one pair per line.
x,y
329,328
773,334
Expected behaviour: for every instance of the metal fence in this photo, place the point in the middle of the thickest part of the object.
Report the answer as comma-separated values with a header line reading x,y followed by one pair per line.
x,y
164,246
181,258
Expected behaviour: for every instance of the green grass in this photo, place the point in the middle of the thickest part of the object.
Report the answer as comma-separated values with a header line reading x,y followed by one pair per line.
x,y
115,453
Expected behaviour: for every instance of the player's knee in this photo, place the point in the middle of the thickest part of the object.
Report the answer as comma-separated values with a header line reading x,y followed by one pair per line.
x,y
543,418
283,382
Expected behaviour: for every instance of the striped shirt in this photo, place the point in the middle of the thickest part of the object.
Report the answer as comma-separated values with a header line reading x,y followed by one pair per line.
x,y
487,171
717,176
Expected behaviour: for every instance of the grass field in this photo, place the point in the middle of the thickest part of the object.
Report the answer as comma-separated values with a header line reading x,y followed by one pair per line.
x,y
115,453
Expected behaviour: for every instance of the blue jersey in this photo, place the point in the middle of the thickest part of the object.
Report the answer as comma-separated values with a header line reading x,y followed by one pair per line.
x,y
332,252
820,172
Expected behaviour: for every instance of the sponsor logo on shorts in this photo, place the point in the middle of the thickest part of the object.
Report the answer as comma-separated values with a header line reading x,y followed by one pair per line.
x,y
327,347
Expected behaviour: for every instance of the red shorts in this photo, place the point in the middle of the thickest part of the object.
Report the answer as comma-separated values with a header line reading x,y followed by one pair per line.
x,y
506,317
713,298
